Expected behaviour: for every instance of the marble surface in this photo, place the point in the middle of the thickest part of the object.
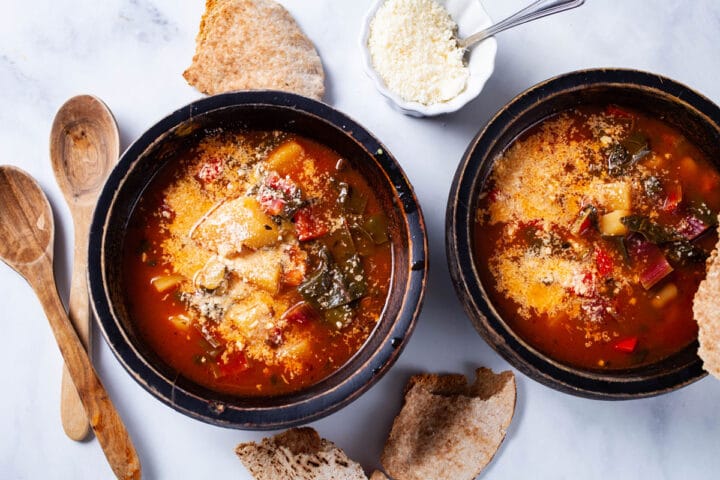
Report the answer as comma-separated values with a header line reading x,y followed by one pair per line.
x,y
131,53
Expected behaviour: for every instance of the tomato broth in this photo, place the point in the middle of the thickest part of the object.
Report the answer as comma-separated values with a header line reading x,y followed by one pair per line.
x,y
594,227
257,263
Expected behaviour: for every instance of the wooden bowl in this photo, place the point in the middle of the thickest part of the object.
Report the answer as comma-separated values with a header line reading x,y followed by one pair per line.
x,y
261,110
694,115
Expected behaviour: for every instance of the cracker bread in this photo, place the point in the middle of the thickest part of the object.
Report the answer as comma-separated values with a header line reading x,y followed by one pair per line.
x,y
298,454
250,45
448,429
706,311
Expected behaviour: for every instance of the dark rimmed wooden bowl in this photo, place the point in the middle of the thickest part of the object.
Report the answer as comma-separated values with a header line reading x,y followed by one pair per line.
x,y
257,110
694,115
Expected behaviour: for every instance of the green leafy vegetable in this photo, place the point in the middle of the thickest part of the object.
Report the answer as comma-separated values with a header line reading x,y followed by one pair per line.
x,y
684,253
377,227
363,241
333,284
617,159
637,146
653,232
340,242
350,199
340,317
623,155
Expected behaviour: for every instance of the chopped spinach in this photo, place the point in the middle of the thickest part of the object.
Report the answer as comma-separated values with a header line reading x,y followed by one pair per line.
x,y
617,159
334,284
623,155
637,146
653,232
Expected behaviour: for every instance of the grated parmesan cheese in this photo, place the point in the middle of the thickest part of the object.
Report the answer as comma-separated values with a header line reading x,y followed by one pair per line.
x,y
413,48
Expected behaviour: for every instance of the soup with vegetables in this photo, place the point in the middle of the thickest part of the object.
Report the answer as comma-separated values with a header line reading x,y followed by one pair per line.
x,y
257,263
596,224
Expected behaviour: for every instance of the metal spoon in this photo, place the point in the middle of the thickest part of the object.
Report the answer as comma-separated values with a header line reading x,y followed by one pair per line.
x,y
28,232
84,146
539,9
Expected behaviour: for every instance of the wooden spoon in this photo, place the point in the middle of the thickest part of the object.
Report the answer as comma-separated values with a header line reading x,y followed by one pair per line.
x,y
84,146
28,232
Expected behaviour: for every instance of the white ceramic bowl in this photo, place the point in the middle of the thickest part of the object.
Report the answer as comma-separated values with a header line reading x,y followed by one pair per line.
x,y
470,17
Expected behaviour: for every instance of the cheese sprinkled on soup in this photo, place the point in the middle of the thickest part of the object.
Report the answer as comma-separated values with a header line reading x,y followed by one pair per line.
x,y
595,225
257,263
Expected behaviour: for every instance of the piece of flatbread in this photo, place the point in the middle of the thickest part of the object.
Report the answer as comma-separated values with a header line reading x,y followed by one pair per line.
x,y
298,454
378,475
706,310
251,45
448,429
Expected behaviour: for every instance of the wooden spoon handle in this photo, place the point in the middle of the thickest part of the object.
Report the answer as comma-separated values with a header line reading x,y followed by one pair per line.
x,y
72,413
104,419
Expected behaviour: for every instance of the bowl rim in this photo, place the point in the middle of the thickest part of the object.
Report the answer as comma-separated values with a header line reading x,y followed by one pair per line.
x,y
253,415
614,385
417,109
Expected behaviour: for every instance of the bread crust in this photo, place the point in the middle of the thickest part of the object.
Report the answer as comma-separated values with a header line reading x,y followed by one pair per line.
x,y
447,428
706,311
298,454
250,45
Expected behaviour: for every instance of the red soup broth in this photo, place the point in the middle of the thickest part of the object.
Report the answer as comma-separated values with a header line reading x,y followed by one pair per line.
x,y
592,234
257,263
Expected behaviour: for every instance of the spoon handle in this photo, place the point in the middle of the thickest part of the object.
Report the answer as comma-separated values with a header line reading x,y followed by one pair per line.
x,y
72,413
535,10
104,418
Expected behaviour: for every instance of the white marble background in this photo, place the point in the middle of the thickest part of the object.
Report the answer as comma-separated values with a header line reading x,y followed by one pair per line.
x,y
131,54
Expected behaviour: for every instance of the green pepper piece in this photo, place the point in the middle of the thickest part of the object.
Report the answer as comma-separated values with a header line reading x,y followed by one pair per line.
x,y
351,200
362,240
339,317
377,227
653,232
340,243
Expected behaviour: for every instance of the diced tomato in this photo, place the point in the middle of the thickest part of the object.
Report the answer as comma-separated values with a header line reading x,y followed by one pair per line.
x,y
308,225
673,198
236,363
210,170
300,314
493,195
626,345
284,185
617,111
272,205
604,262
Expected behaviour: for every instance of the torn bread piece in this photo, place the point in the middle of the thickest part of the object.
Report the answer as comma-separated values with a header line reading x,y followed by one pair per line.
x,y
706,311
448,429
298,454
251,45
378,475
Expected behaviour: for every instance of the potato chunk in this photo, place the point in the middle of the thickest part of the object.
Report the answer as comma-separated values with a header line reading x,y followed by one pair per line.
x,y
236,224
611,225
261,268
285,156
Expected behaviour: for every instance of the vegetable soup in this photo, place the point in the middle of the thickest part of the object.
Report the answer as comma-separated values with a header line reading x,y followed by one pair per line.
x,y
596,224
257,263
